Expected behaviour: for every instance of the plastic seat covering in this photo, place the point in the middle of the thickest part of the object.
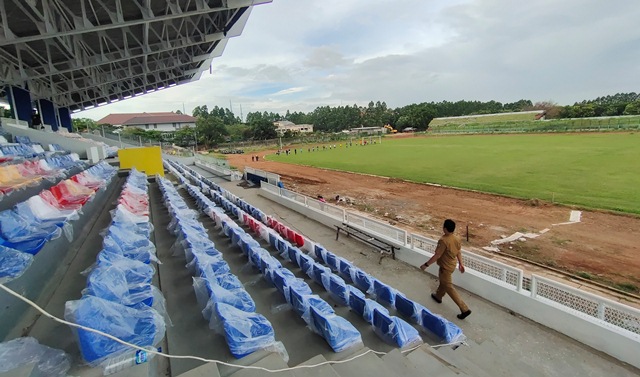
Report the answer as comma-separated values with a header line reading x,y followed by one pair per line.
x,y
394,330
112,283
449,332
337,288
245,332
384,293
337,331
362,280
344,269
70,192
143,327
13,263
281,278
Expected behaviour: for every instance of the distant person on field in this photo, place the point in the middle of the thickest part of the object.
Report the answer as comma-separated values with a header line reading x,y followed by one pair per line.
x,y
447,252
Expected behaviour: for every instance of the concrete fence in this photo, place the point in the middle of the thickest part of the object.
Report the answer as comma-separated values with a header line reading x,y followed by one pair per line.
x,y
598,322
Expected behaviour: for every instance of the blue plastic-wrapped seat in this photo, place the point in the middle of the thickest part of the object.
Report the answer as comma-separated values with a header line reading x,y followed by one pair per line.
x,y
344,269
299,285
228,281
331,260
337,331
304,262
13,263
362,280
316,271
273,239
408,308
300,300
384,294
319,252
245,332
143,327
17,228
441,327
337,288
256,254
238,298
112,283
281,277
394,330
292,255
369,307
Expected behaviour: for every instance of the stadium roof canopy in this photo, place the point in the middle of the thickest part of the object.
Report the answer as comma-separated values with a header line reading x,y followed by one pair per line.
x,y
83,53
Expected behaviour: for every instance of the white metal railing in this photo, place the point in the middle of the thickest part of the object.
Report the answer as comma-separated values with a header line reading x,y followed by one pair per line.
x,y
387,231
615,314
233,175
611,313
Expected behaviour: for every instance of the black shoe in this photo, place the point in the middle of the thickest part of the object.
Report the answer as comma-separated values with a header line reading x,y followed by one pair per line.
x,y
464,315
436,299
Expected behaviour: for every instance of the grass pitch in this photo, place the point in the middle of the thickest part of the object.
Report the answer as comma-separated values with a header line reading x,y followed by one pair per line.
x,y
591,170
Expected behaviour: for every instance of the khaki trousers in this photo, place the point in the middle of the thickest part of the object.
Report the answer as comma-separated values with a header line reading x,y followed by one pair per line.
x,y
446,287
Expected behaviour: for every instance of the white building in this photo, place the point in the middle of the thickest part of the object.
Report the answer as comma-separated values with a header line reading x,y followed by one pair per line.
x,y
285,125
163,122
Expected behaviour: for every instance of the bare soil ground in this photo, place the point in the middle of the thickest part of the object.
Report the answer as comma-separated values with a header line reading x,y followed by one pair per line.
x,y
604,247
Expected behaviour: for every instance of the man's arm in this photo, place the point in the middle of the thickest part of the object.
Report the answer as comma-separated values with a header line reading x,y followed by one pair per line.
x,y
460,265
439,251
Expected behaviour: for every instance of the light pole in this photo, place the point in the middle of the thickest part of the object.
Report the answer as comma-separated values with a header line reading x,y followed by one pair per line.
x,y
195,139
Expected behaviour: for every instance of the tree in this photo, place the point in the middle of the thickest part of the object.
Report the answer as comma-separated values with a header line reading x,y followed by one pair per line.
x,y
83,124
633,108
263,129
211,131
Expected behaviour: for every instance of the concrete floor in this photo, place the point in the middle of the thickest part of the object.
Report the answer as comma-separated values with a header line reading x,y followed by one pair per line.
x,y
500,343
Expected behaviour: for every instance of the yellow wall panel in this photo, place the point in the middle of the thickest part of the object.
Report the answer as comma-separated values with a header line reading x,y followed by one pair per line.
x,y
148,160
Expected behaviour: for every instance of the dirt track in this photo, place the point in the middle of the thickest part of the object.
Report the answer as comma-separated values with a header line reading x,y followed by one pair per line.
x,y
604,247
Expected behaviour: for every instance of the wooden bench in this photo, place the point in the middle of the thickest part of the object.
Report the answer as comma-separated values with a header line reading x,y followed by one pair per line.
x,y
386,249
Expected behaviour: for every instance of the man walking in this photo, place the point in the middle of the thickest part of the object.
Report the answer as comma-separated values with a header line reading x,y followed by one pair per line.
x,y
447,252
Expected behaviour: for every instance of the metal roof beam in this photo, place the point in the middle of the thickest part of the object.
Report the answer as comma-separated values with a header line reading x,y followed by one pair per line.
x,y
172,11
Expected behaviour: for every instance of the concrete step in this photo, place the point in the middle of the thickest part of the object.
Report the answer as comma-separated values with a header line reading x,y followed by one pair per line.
x,y
459,362
321,371
206,370
487,357
365,366
430,365
401,365
251,359
272,361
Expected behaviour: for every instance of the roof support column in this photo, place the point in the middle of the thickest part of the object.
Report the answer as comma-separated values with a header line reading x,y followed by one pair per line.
x,y
65,118
20,101
48,114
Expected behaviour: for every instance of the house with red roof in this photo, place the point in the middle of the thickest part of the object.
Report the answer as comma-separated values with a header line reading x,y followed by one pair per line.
x,y
162,121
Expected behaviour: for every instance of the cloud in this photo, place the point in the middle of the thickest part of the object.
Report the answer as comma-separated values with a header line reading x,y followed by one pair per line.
x,y
298,55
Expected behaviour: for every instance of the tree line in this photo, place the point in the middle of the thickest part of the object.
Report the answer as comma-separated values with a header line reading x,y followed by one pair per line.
x,y
219,125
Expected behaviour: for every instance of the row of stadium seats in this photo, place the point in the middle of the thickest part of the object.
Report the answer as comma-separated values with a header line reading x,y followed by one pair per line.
x,y
25,228
339,333
119,298
32,172
336,285
225,303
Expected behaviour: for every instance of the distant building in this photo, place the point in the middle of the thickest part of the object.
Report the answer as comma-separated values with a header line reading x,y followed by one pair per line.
x,y
369,130
284,125
163,122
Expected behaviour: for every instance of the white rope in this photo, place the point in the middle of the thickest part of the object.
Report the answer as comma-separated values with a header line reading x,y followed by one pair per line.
x,y
153,352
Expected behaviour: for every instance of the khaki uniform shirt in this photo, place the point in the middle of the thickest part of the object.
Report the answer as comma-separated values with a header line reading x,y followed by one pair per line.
x,y
448,259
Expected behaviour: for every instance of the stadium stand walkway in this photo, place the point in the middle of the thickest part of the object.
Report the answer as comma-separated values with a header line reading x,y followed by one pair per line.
x,y
499,343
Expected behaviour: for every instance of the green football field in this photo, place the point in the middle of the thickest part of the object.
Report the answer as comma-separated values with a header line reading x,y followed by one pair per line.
x,y
591,170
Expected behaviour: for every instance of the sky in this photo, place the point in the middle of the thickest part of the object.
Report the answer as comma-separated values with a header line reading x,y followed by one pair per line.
x,y
300,54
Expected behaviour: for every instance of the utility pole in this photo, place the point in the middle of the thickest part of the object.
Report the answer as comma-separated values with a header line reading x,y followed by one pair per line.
x,y
241,115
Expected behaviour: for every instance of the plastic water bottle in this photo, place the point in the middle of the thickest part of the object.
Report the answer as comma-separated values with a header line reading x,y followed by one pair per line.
x,y
123,362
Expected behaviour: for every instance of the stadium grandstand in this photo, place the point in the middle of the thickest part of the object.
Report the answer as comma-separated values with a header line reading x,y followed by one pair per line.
x,y
119,260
